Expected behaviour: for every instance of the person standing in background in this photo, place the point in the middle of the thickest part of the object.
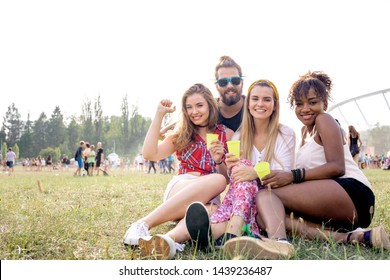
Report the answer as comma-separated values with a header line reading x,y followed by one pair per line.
x,y
79,158
10,160
354,143
91,155
99,157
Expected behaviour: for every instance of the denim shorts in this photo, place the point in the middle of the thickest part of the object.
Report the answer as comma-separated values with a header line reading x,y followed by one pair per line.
x,y
80,162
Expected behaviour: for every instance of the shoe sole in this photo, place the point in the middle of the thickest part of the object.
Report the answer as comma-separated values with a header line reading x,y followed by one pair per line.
x,y
157,246
256,249
380,238
198,224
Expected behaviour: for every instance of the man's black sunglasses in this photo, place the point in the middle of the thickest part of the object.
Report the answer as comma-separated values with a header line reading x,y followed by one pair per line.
x,y
235,81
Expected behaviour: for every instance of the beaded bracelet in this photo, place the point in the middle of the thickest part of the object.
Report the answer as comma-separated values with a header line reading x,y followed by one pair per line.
x,y
298,175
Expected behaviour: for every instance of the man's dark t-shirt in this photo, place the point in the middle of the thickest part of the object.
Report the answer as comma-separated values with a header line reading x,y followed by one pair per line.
x,y
234,122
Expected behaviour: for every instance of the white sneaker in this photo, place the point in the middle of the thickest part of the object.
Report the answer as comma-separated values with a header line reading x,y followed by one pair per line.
x,y
162,247
135,231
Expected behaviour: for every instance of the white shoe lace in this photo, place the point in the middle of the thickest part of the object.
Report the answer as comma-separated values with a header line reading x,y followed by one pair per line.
x,y
179,247
140,229
135,231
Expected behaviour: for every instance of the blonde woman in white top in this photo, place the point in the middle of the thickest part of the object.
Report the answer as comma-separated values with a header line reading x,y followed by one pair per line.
x,y
262,138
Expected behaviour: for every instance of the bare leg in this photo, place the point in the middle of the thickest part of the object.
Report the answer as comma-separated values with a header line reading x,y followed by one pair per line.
x,y
320,199
311,231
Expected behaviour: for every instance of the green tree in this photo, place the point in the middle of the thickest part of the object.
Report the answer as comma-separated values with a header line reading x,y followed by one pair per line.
x,y
379,137
98,120
4,149
114,136
138,129
74,137
16,150
86,121
39,135
26,139
2,135
12,125
54,152
56,133
125,125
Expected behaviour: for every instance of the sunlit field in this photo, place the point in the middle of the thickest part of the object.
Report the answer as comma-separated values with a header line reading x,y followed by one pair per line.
x,y
85,218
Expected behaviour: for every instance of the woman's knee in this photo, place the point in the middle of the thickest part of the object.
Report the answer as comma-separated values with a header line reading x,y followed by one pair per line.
x,y
261,195
219,181
264,198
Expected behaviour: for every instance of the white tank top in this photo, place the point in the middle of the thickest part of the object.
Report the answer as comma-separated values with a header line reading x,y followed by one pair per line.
x,y
312,155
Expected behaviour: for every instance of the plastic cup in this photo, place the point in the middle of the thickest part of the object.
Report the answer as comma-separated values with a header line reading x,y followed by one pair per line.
x,y
209,138
262,169
234,147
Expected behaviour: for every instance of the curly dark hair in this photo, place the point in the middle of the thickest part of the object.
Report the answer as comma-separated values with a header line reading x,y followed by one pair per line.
x,y
317,80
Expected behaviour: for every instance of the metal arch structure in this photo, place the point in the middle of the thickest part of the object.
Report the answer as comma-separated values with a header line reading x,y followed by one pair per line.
x,y
355,100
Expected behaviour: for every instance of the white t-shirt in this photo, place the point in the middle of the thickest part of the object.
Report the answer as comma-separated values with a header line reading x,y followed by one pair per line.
x,y
312,155
284,149
10,156
140,159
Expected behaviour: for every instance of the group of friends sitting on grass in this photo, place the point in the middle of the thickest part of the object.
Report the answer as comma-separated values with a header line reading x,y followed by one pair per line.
x,y
314,191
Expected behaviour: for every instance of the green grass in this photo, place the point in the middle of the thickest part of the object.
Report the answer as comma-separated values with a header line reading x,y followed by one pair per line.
x,y
85,218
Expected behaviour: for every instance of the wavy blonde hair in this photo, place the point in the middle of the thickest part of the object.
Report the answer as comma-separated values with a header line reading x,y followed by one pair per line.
x,y
247,128
186,130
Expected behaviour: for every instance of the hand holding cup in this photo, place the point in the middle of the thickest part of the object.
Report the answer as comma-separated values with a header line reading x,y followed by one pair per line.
x,y
234,148
262,169
209,138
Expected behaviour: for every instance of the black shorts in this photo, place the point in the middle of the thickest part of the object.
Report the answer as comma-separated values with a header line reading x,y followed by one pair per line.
x,y
362,197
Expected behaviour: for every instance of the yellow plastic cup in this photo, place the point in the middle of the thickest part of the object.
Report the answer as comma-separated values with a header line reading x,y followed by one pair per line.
x,y
262,169
209,138
234,147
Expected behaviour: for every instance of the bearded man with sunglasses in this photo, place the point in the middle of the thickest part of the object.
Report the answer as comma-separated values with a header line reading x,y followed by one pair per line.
x,y
229,84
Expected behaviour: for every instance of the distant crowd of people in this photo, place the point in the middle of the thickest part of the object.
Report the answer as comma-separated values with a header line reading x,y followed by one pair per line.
x,y
90,160
364,161
165,165
38,163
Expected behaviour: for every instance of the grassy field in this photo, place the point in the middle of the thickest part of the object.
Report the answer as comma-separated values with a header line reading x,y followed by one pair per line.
x,y
85,218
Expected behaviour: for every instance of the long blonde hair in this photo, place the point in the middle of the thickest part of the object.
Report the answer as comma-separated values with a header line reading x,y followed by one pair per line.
x,y
247,128
186,130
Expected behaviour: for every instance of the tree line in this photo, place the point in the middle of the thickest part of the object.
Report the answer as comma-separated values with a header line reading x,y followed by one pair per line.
x,y
124,134
58,134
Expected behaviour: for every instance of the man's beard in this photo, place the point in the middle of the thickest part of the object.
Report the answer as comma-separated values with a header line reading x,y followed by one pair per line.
x,y
229,101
